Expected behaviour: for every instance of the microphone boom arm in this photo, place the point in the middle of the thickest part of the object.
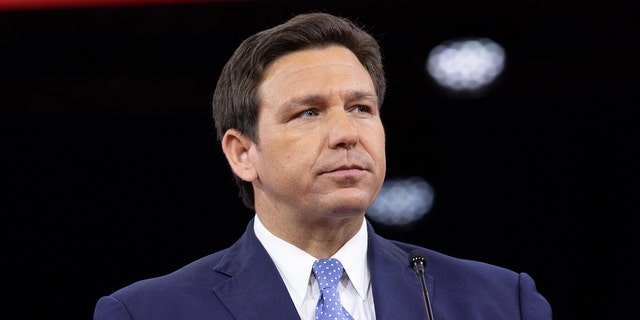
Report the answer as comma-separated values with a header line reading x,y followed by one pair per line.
x,y
418,263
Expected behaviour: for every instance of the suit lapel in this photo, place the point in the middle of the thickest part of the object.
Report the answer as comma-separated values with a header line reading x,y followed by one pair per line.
x,y
254,281
397,292
255,289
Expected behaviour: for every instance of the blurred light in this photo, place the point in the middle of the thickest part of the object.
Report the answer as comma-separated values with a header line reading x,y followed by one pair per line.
x,y
402,201
466,65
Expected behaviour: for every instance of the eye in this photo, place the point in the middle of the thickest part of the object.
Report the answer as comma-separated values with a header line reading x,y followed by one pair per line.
x,y
360,108
307,113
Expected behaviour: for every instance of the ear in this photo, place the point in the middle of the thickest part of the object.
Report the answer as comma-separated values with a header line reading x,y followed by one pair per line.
x,y
236,148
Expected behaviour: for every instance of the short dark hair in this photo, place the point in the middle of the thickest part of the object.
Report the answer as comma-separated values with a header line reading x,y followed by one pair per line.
x,y
235,99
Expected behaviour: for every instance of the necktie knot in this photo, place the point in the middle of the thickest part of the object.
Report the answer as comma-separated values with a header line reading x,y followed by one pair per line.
x,y
328,272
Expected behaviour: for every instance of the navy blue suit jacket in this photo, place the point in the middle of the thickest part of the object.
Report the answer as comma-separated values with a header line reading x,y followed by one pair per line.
x,y
227,285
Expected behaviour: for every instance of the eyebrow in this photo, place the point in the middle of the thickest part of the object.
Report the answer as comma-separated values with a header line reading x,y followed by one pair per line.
x,y
316,98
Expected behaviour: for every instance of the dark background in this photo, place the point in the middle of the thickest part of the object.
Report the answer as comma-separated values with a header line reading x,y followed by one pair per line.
x,y
112,172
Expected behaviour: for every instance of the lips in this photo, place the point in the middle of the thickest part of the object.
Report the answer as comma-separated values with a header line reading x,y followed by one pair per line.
x,y
353,162
346,173
348,167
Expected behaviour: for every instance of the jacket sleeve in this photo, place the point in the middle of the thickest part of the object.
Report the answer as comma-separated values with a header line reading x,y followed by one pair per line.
x,y
109,308
533,305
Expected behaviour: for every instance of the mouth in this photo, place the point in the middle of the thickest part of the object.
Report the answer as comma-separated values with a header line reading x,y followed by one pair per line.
x,y
347,173
348,168
356,166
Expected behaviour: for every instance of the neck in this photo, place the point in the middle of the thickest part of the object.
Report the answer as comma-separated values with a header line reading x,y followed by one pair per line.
x,y
321,238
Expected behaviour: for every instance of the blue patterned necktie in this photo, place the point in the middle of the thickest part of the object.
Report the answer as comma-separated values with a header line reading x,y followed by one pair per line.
x,y
328,273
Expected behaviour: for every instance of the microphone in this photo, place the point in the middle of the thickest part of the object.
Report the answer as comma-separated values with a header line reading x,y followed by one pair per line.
x,y
418,263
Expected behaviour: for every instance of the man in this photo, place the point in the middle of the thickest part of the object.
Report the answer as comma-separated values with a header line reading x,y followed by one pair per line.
x,y
297,111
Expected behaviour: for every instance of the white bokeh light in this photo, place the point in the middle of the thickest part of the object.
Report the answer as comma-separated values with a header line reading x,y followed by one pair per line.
x,y
402,201
466,65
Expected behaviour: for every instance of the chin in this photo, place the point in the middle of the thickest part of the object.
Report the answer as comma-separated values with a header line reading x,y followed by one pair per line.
x,y
349,208
347,202
349,211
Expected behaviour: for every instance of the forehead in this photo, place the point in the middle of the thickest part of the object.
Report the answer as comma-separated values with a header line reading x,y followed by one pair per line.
x,y
318,70
313,56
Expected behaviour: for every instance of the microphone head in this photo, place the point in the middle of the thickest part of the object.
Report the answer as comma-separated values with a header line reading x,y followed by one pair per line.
x,y
416,260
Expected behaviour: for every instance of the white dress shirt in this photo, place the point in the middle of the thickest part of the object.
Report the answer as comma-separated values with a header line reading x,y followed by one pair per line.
x,y
295,266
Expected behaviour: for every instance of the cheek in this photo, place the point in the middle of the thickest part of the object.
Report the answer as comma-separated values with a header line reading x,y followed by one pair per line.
x,y
282,155
381,158
379,146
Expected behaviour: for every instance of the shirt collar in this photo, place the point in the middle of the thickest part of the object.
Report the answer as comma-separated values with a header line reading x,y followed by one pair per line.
x,y
295,264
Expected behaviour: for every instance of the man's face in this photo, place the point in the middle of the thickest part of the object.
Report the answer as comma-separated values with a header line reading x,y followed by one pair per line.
x,y
321,147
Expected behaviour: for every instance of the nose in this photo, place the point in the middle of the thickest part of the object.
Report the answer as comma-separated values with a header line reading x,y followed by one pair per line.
x,y
344,132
